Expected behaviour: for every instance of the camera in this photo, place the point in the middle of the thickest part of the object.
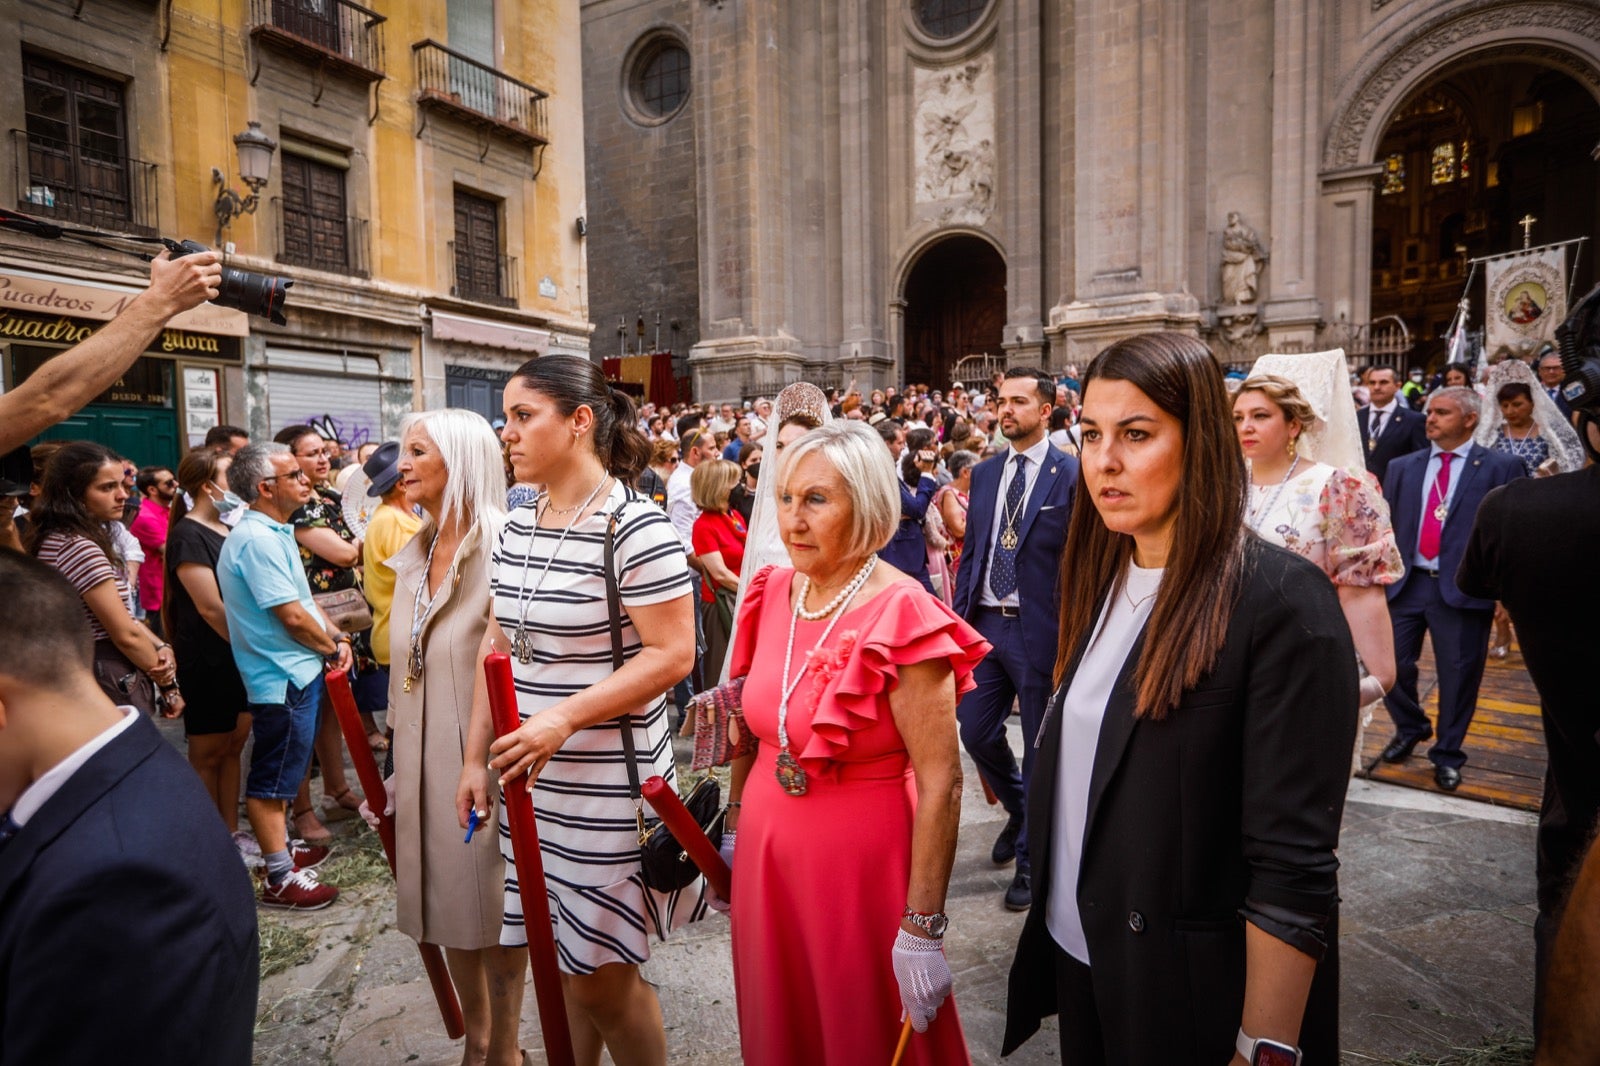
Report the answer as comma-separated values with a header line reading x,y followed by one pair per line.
x,y
1578,341
243,290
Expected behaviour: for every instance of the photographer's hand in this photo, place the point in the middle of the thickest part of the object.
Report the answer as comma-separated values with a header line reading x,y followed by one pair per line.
x,y
178,285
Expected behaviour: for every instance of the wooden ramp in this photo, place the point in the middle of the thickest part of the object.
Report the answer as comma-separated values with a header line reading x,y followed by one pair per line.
x,y
1504,747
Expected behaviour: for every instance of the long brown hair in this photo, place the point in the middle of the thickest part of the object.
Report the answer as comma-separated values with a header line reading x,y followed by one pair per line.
x,y
1205,564
60,507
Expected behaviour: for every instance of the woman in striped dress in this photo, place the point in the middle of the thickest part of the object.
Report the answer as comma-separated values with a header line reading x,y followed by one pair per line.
x,y
567,430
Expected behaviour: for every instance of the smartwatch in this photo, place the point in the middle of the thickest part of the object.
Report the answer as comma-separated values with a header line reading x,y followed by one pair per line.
x,y
1264,1052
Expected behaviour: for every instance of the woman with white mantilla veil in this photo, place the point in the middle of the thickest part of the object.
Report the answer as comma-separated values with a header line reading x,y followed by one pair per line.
x,y
1547,445
1311,493
799,408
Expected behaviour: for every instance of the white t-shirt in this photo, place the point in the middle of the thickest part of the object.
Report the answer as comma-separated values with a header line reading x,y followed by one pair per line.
x,y
1121,621
680,505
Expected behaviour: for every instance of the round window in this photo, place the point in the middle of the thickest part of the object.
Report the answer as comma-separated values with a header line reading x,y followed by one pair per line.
x,y
947,18
661,79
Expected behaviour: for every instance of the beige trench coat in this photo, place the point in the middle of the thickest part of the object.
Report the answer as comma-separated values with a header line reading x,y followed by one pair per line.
x,y
449,892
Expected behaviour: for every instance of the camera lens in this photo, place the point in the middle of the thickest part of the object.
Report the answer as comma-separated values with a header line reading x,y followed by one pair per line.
x,y
254,294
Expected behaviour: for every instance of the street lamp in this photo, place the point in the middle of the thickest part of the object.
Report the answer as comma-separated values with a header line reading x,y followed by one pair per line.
x,y
255,166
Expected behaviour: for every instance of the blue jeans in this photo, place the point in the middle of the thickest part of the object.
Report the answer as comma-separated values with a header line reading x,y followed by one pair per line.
x,y
284,733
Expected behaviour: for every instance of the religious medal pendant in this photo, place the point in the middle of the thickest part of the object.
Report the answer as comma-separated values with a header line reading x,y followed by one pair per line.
x,y
1008,539
413,668
522,646
406,685
1441,512
791,776
1372,444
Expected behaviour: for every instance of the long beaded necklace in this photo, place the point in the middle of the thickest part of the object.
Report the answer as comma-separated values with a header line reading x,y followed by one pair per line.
x,y
790,774
1259,515
522,640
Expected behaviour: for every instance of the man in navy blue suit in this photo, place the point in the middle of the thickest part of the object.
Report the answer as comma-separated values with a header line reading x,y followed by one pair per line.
x,y
127,921
1008,586
1433,498
1389,428
907,550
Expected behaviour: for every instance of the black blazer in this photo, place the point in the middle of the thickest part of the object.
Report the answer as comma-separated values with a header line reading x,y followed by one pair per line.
x,y
1235,795
1405,432
127,921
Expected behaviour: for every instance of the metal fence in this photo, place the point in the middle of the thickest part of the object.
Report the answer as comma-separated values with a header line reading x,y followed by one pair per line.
x,y
62,180
336,28
484,279
337,245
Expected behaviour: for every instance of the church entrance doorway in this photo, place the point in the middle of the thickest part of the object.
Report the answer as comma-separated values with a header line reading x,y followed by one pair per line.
x,y
1469,158
955,306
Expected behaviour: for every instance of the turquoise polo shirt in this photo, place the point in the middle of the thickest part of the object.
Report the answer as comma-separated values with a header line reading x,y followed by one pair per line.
x,y
259,569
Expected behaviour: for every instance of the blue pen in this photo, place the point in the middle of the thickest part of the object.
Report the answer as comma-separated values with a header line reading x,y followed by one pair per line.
x,y
472,826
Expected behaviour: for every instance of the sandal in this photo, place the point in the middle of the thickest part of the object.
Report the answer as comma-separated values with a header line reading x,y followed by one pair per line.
x,y
343,805
377,741
319,835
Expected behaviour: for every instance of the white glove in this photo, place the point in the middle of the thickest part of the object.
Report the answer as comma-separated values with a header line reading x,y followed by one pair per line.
x,y
388,806
1371,690
714,901
924,976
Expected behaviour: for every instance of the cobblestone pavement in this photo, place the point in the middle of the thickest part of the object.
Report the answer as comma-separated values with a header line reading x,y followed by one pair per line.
x,y
1436,935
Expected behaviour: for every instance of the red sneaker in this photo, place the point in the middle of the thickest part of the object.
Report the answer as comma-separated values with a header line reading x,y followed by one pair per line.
x,y
307,856
300,891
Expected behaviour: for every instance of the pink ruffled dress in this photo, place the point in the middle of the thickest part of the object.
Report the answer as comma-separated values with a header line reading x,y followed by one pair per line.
x,y
819,881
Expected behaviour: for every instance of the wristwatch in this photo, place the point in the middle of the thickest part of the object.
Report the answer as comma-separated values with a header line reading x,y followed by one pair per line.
x,y
1265,1052
932,924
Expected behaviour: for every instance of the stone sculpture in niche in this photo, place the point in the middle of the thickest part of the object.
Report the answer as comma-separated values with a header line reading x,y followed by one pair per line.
x,y
955,142
1242,256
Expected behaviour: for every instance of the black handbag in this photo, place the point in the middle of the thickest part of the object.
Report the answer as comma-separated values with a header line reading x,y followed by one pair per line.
x,y
663,863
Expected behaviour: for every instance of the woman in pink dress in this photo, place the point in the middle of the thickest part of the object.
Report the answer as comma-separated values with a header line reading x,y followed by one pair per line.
x,y
844,821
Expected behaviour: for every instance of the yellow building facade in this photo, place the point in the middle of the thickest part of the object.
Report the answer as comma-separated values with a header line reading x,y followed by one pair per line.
x,y
423,193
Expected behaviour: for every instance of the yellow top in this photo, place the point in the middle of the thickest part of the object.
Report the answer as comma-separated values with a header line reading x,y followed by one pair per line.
x,y
389,530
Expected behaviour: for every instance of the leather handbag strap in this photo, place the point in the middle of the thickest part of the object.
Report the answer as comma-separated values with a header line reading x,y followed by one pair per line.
x,y
614,609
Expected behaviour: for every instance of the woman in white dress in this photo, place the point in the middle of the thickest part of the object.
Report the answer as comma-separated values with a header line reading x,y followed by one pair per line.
x,y
570,432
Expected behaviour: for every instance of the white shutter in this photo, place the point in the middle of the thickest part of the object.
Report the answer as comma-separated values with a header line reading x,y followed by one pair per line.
x,y
336,387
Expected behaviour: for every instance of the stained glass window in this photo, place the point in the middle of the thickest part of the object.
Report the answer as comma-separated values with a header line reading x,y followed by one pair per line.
x,y
1465,167
1394,174
1444,164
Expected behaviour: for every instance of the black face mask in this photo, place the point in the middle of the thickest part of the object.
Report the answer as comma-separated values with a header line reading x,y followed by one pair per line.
x,y
753,471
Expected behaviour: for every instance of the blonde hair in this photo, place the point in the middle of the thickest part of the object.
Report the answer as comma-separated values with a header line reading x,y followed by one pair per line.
x,y
867,470
1285,394
475,485
711,482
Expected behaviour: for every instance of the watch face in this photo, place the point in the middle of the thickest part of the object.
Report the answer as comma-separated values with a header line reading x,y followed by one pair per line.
x,y
938,925
1270,1054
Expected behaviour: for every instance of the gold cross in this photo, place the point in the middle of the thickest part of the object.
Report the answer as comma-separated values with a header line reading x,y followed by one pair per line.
x,y
1526,222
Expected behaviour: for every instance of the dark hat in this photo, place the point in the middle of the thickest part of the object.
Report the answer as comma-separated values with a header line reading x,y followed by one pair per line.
x,y
16,471
382,468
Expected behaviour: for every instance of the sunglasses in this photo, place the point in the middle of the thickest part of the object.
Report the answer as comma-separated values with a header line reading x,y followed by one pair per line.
x,y
170,483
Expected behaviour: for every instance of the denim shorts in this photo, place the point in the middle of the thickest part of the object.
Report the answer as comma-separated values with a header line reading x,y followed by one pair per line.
x,y
283,734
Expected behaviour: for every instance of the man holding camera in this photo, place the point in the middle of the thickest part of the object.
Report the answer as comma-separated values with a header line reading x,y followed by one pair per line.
x,y
65,384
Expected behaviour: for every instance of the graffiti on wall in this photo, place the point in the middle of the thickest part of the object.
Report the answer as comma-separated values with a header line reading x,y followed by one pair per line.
x,y
350,430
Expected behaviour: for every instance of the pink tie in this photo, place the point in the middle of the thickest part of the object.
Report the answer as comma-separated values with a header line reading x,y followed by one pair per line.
x,y
1432,525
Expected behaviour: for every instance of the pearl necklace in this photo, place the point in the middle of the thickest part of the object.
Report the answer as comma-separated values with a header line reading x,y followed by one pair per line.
x,y
1259,515
791,776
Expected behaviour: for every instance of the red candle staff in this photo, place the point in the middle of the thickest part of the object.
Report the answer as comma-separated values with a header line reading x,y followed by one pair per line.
x,y
355,738
687,832
530,872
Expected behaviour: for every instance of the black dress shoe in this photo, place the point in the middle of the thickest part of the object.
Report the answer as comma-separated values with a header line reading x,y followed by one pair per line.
x,y
1019,897
1447,777
1399,749
1005,845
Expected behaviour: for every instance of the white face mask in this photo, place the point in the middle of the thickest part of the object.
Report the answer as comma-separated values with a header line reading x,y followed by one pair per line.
x,y
225,504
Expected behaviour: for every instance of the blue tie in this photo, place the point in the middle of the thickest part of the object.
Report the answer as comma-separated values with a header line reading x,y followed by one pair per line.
x,y
1003,569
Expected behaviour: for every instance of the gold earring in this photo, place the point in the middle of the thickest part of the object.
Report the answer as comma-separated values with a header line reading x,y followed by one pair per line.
x,y
1294,448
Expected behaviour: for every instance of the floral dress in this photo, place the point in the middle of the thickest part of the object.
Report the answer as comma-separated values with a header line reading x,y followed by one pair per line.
x,y
1532,451
325,510
1335,518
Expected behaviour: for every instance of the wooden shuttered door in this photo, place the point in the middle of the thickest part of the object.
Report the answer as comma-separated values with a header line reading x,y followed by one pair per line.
x,y
477,246
77,143
315,232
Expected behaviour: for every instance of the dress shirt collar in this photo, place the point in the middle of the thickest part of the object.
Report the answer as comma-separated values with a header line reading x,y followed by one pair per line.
x,y
1388,409
38,794
1460,452
1035,453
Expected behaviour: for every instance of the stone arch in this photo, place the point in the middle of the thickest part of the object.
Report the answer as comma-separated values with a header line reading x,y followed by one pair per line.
x,y
938,305
919,246
1559,35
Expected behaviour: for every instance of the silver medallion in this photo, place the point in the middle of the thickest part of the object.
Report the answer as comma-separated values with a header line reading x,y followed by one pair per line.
x,y
1008,540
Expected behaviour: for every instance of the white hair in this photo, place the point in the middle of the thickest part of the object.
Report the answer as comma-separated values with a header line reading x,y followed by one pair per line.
x,y
252,465
1462,397
867,469
475,485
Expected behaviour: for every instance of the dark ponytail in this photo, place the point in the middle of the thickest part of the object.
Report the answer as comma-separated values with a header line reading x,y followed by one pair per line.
x,y
572,382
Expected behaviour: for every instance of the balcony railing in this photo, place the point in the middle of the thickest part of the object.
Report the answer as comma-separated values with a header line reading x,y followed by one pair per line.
x,y
337,245
484,279
57,179
476,93
338,33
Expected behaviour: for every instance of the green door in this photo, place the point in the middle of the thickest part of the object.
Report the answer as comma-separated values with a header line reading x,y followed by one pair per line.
x,y
145,436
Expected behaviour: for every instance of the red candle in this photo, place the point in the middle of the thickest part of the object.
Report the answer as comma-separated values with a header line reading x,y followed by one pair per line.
x,y
687,832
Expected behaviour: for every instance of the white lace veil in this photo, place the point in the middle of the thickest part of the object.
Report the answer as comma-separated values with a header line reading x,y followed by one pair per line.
x,y
1323,378
1565,447
763,546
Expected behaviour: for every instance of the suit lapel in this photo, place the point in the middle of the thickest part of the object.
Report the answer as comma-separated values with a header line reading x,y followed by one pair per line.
x,y
1470,468
1048,473
980,517
104,770
1116,729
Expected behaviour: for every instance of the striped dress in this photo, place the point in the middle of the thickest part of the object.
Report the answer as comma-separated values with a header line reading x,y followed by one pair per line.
x,y
600,910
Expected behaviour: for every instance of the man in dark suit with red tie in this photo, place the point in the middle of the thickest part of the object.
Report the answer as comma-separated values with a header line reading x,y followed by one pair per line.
x,y
127,921
1433,497
1008,587
1389,428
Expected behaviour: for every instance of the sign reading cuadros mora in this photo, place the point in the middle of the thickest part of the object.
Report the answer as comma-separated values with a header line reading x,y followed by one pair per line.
x,y
69,331
39,294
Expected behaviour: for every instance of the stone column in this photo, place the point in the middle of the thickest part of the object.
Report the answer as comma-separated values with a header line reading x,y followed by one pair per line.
x,y
1292,310
862,199
1020,180
1345,230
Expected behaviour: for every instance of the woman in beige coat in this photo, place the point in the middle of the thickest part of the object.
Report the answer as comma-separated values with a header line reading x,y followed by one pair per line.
x,y
450,893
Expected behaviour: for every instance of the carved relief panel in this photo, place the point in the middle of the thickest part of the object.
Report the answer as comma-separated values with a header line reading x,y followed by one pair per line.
x,y
953,142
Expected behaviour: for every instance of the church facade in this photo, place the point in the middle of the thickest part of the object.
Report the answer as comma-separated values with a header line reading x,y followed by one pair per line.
x,y
894,190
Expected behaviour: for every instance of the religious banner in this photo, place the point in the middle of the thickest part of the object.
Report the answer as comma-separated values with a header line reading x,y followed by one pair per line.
x,y
1527,299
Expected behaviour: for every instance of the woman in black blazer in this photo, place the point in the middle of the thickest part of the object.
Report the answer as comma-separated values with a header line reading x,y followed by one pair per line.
x,y
1192,767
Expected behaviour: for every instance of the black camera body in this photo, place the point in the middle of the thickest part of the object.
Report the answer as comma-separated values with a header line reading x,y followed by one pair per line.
x,y
1578,341
243,290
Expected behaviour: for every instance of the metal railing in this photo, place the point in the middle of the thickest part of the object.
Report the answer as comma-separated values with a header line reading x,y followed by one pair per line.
x,y
334,29
304,240
72,182
473,90
484,279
